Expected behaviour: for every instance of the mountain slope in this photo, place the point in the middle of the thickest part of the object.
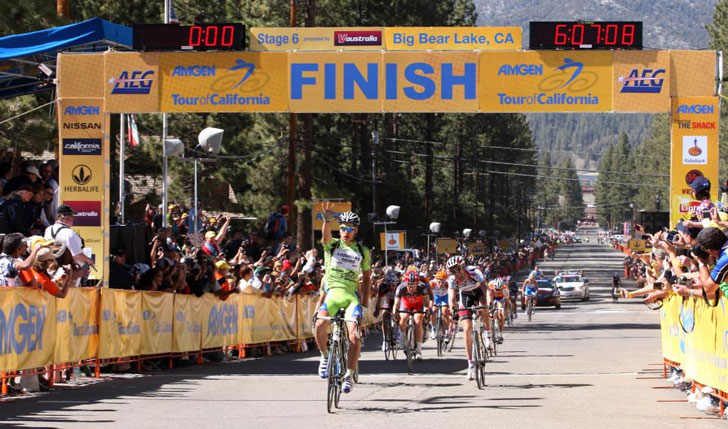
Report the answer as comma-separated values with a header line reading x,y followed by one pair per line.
x,y
667,24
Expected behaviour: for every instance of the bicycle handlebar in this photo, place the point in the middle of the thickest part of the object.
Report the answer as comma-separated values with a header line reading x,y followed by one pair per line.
x,y
336,319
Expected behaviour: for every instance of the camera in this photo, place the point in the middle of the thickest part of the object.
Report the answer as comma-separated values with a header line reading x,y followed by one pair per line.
x,y
670,237
706,214
699,252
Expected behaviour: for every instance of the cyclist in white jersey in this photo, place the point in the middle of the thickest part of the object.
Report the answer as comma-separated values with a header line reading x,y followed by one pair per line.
x,y
470,285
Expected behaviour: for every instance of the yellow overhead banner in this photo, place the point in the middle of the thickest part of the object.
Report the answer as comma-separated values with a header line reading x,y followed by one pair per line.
x,y
131,81
545,81
694,151
338,208
453,38
223,82
693,73
641,81
316,38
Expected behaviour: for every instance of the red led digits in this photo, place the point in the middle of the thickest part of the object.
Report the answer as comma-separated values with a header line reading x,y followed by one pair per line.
x,y
560,38
195,38
577,35
228,31
628,35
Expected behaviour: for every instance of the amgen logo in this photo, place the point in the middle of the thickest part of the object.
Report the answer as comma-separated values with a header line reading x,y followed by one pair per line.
x,y
249,312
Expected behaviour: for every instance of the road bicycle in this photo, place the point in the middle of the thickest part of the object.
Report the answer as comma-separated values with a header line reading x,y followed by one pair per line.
x,y
530,306
338,347
492,346
478,347
389,328
410,346
440,328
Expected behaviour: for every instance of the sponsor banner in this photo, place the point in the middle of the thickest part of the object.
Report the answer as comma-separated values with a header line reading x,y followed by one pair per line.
x,y
338,208
265,320
694,153
641,81
83,172
637,245
453,38
333,82
446,245
504,244
220,320
223,82
27,328
393,240
77,326
157,322
131,82
120,326
476,249
693,73
673,337
316,39
306,309
78,75
187,325
545,81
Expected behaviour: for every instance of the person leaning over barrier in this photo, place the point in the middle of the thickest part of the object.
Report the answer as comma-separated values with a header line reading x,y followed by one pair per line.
x,y
11,261
711,249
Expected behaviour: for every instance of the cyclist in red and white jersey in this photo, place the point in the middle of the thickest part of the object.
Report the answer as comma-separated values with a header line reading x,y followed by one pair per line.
x,y
469,284
412,295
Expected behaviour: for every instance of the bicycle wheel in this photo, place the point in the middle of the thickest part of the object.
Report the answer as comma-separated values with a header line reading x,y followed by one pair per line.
x,y
529,309
410,347
453,334
481,365
387,334
439,334
493,343
341,370
477,356
331,378
393,346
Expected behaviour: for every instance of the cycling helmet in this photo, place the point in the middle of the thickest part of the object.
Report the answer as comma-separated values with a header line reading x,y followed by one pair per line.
x,y
390,278
412,267
349,217
498,283
455,261
441,275
411,277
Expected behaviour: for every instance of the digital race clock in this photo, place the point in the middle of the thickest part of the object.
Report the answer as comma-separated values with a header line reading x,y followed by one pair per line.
x,y
200,37
586,35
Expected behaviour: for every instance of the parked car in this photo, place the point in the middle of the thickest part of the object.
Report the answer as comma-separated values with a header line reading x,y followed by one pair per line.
x,y
548,295
572,285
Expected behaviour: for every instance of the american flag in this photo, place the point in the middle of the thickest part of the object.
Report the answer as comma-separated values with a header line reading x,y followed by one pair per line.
x,y
172,14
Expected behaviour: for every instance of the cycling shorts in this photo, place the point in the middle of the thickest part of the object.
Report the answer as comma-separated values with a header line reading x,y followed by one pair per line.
x,y
338,298
441,300
412,304
531,291
469,300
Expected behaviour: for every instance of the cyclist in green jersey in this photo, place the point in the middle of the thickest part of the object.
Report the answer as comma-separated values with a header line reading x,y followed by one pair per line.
x,y
344,260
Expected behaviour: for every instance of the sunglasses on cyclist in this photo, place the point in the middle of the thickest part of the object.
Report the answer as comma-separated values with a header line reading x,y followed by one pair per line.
x,y
454,269
347,228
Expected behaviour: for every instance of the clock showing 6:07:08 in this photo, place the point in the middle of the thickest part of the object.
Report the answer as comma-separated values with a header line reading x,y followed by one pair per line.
x,y
585,35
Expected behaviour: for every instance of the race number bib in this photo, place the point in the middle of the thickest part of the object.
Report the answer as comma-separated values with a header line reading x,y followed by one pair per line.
x,y
346,259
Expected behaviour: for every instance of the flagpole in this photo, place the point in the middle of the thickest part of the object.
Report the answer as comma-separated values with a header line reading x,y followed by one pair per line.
x,y
122,197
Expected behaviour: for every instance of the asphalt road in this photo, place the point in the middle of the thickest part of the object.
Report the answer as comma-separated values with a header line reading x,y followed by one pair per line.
x,y
577,366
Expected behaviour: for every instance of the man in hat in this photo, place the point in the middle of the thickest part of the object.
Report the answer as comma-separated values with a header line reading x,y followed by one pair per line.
x,y
213,239
12,210
223,287
700,190
30,175
62,231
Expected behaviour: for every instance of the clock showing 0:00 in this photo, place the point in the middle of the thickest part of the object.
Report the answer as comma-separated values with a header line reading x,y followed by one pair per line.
x,y
585,35
199,37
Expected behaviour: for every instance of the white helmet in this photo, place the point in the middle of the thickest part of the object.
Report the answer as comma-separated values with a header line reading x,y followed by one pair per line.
x,y
349,217
455,261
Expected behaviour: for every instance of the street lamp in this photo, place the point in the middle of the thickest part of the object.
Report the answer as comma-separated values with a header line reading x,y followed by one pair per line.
x,y
393,214
433,231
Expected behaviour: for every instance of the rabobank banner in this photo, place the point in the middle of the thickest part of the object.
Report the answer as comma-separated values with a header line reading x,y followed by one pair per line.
x,y
224,82
545,81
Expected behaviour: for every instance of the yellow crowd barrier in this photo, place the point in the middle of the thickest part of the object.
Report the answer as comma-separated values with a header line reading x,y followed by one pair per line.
x,y
37,329
695,336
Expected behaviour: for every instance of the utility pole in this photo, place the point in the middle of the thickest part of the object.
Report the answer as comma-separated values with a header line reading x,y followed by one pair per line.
x,y
292,144
165,202
305,219
375,142
63,8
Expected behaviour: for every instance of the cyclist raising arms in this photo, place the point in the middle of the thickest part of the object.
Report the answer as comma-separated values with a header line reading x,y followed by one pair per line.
x,y
344,260
412,295
469,284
